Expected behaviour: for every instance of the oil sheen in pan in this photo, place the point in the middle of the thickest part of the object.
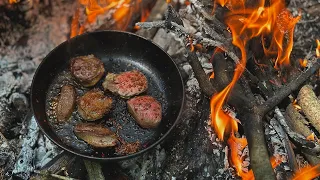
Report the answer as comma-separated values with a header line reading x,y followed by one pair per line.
x,y
118,119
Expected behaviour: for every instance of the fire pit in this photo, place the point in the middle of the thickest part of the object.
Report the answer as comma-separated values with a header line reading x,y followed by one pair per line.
x,y
251,72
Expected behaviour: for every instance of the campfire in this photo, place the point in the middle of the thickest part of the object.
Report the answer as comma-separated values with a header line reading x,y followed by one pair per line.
x,y
251,70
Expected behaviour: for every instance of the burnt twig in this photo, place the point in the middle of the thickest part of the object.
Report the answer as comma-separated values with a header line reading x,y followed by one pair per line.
x,y
287,89
200,75
285,142
48,174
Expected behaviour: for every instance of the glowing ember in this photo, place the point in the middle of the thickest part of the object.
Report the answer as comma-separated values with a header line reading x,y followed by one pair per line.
x,y
318,48
212,75
13,1
274,162
308,173
311,137
295,105
303,62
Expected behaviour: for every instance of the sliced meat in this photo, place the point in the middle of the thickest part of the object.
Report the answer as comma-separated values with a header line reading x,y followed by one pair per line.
x,y
96,135
66,103
94,105
126,84
146,111
87,70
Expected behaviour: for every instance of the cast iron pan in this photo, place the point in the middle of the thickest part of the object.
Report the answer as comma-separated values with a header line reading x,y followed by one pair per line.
x,y
119,51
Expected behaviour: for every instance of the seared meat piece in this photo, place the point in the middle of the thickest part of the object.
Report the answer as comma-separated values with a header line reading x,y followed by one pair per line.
x,y
146,111
95,135
126,84
88,70
128,148
66,102
94,105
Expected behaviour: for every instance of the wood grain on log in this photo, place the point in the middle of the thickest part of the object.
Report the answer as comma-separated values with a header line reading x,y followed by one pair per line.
x,y
310,105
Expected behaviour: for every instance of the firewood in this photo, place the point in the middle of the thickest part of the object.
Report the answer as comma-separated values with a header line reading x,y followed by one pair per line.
x,y
296,121
310,105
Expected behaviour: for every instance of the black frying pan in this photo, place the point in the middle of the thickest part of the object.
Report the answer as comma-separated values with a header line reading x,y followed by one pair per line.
x,y
119,51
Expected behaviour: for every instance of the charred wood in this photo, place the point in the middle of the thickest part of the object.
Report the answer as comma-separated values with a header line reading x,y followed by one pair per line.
x,y
282,136
155,15
288,88
310,147
201,76
259,161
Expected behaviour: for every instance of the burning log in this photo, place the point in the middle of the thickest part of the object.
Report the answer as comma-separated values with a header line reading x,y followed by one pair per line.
x,y
251,112
282,150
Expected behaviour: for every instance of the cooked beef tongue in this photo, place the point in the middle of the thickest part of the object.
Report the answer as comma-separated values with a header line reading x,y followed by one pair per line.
x,y
96,135
93,105
126,84
66,103
87,70
146,110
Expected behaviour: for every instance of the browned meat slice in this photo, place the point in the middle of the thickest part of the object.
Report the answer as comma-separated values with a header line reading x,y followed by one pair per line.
x,y
88,70
96,135
128,148
66,102
146,111
126,84
94,105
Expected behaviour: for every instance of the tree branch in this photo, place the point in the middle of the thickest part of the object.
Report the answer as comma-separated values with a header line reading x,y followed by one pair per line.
x,y
287,89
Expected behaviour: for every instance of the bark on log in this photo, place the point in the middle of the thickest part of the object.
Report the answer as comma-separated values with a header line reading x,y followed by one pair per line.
x,y
200,75
259,161
310,105
296,121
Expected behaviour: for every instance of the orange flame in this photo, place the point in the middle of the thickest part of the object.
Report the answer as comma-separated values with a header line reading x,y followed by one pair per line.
x,y
303,62
144,16
296,105
311,137
212,75
123,10
236,144
13,1
246,23
318,48
308,173
274,162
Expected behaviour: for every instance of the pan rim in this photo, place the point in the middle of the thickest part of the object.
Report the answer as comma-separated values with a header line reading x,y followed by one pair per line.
x,y
118,158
